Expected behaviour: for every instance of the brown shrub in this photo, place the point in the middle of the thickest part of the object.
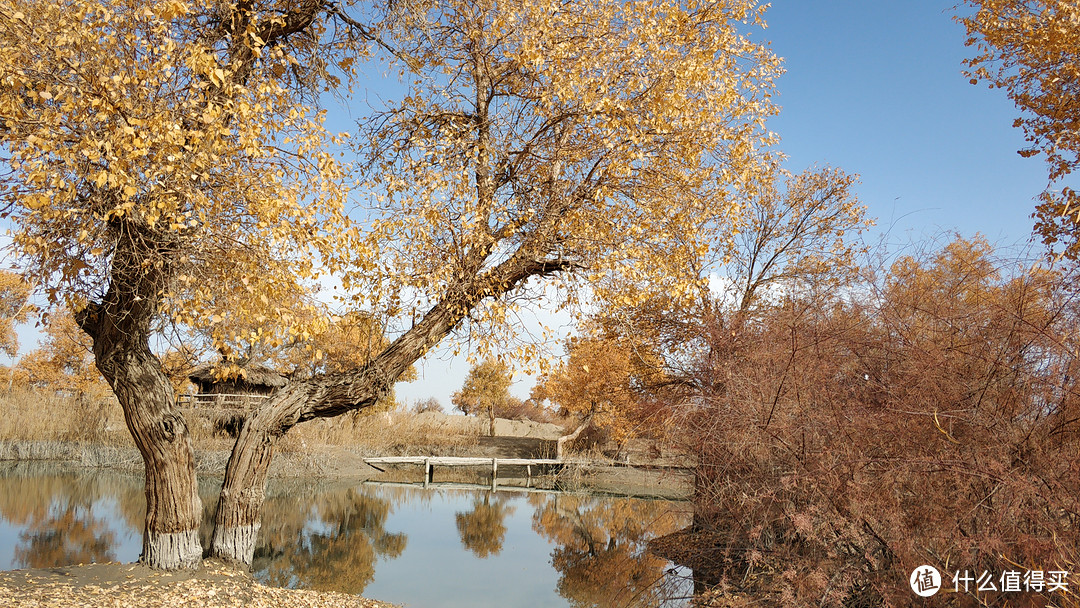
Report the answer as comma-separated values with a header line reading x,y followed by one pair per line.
x,y
927,417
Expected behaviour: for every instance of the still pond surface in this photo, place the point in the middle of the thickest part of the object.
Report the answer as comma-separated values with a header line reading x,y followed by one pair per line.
x,y
410,546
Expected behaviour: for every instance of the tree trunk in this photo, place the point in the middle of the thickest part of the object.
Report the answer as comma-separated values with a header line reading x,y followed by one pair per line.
x,y
560,444
120,327
239,518
491,421
173,508
239,513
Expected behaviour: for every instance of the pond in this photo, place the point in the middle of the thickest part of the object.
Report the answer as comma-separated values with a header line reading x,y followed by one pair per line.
x,y
412,546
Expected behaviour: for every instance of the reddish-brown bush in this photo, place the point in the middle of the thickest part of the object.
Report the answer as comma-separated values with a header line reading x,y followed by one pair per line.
x,y
926,416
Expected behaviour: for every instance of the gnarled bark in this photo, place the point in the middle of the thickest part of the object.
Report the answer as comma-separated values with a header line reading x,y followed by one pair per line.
x,y
119,325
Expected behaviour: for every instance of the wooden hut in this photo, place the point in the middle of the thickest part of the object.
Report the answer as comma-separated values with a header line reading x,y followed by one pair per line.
x,y
226,401
252,380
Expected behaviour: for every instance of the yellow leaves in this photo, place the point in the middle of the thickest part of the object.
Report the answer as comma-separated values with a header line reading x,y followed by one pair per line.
x,y
613,106
129,133
217,77
1029,48
64,361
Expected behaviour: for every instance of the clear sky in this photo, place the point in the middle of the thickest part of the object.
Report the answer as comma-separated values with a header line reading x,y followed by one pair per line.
x,y
876,88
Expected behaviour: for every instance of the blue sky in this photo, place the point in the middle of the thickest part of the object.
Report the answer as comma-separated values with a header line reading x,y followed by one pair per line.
x,y
877,89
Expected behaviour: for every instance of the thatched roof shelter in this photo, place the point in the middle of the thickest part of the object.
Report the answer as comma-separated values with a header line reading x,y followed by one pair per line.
x,y
252,379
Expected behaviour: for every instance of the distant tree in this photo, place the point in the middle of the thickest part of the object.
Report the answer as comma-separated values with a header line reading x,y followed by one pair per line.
x,y
14,308
430,404
64,361
486,390
600,384
1030,48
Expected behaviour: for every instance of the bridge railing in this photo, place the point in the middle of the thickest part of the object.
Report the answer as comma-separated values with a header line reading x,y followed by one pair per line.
x,y
219,400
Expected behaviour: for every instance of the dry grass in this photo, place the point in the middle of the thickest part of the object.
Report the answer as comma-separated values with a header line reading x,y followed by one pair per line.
x,y
386,433
40,424
29,414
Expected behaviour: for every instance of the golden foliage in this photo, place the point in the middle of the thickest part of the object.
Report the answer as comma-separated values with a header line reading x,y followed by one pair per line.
x,y
486,391
559,137
14,308
602,380
342,343
1031,49
117,116
64,361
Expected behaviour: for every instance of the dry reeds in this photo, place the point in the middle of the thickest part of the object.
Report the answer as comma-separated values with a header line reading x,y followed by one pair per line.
x,y
30,414
37,424
387,434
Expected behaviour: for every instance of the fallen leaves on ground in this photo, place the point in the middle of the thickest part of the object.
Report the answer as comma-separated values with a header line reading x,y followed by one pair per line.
x,y
213,586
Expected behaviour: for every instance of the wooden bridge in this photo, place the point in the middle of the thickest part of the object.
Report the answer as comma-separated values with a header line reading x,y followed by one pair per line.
x,y
430,462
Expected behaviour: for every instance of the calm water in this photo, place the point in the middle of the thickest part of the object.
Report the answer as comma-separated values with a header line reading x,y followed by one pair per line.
x,y
409,546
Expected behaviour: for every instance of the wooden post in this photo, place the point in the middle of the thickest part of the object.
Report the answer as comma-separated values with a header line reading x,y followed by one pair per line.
x,y
528,475
494,473
429,472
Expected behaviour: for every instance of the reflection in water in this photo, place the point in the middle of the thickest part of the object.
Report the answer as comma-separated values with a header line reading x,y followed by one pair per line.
x,y
601,549
334,536
56,513
327,541
73,536
483,528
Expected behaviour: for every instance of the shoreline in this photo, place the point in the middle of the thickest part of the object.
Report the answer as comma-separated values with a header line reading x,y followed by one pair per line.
x,y
331,462
216,584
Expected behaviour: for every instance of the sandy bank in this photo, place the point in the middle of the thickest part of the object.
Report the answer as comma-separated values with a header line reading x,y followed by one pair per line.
x,y
215,585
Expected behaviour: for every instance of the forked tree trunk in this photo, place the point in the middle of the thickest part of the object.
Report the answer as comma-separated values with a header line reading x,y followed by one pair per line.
x,y
239,511
119,325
